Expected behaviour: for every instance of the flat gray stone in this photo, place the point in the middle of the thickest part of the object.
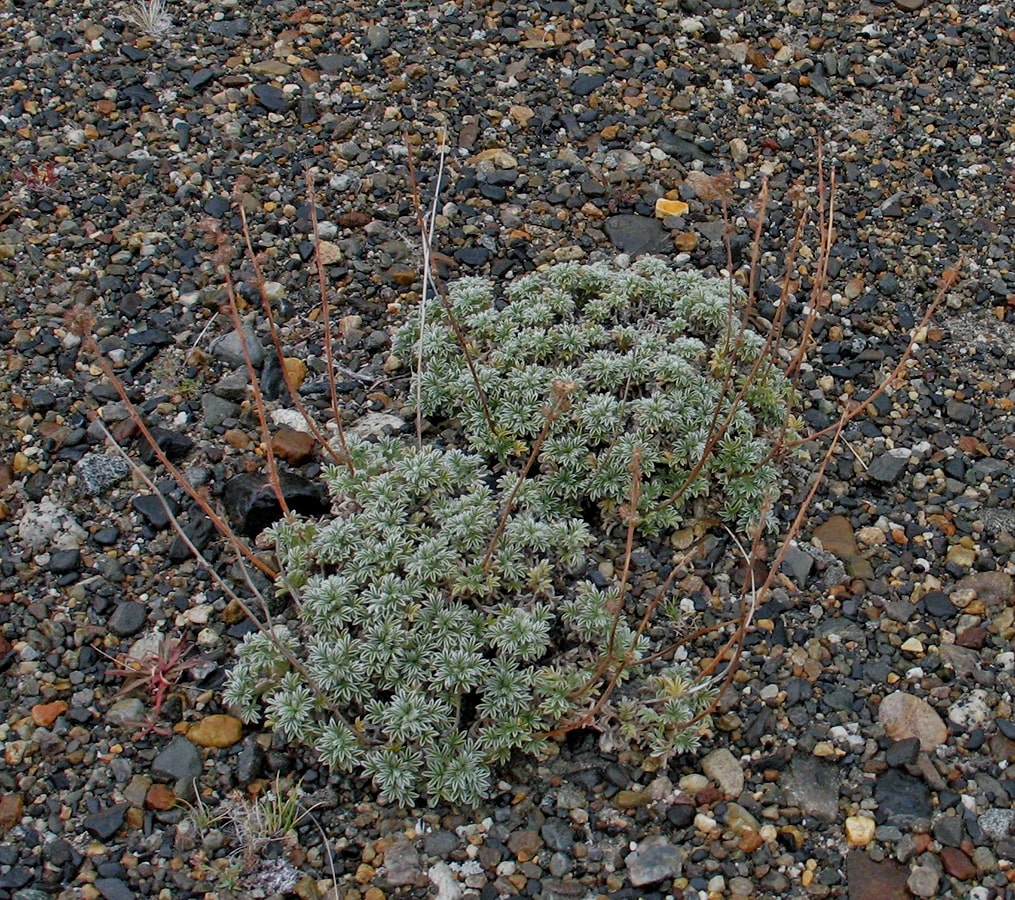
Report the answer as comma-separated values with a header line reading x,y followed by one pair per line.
x,y
889,466
180,761
814,787
229,348
637,234
654,859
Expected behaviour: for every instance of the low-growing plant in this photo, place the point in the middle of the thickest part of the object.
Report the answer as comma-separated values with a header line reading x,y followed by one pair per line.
x,y
151,17
255,822
659,361
431,609
442,620
155,674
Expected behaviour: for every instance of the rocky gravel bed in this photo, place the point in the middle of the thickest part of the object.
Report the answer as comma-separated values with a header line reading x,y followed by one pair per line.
x,y
864,749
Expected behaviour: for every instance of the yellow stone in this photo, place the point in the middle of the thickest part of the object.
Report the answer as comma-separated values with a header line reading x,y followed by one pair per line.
x,y
521,114
859,831
666,208
961,556
216,731
912,645
364,873
296,369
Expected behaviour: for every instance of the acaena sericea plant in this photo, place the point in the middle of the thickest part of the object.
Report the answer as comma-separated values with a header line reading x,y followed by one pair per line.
x,y
442,620
659,360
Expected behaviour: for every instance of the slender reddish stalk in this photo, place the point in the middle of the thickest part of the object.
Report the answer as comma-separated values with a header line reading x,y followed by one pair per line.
x,y
329,352
262,419
279,351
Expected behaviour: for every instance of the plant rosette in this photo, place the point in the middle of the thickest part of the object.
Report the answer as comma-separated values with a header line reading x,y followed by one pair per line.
x,y
658,362
437,634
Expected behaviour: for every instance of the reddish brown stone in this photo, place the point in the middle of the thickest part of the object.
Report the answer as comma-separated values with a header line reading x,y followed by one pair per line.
x,y
524,844
869,880
45,714
295,447
12,807
237,438
974,638
957,864
354,219
750,841
708,795
160,796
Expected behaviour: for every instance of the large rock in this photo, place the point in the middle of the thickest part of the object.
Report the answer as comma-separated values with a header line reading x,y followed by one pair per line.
x,y
252,506
905,716
654,860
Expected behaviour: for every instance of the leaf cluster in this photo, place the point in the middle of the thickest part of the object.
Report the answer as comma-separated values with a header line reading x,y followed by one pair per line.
x,y
660,362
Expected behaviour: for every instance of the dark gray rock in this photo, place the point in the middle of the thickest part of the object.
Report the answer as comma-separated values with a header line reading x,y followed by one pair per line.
x,y
797,565
200,530
440,844
128,618
814,787
270,97
179,761
229,348
106,822
584,85
378,37
114,889
251,504
903,753
889,466
232,386
960,412
637,234
680,147
152,509
216,410
949,831
229,28
902,799
557,835
174,444
63,561
250,764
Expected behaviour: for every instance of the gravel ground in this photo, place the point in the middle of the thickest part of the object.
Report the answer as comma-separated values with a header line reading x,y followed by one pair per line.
x,y
864,751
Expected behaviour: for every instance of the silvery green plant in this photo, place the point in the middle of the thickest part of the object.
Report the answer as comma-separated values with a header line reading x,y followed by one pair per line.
x,y
658,363
436,637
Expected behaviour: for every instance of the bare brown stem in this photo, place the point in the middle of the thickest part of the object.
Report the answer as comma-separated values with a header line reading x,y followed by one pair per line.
x,y
329,351
223,528
280,352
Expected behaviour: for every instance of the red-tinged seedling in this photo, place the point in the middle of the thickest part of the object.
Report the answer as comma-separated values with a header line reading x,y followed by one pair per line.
x,y
155,674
